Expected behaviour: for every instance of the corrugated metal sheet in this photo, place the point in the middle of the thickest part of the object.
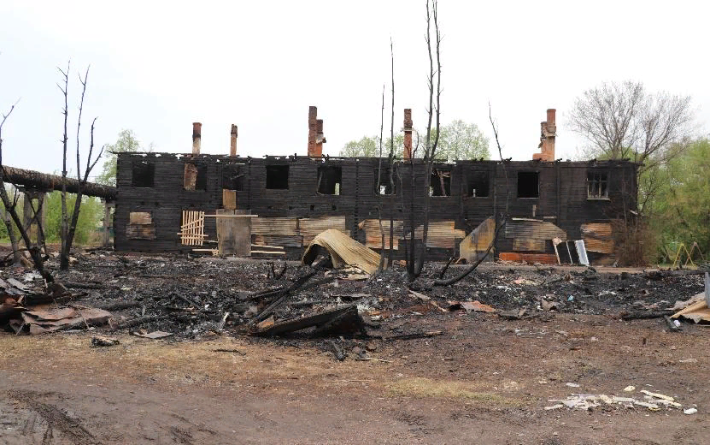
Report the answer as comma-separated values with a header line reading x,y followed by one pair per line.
x,y
343,250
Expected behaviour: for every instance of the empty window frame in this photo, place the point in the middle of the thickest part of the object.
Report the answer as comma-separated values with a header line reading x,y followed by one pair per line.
x,y
478,184
597,185
330,179
233,177
440,184
143,174
277,177
528,184
195,176
384,186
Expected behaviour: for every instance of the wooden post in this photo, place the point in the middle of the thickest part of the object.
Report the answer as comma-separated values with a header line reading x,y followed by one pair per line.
x,y
41,205
107,223
27,212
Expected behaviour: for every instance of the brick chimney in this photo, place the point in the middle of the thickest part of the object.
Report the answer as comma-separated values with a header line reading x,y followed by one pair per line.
x,y
408,125
548,131
313,132
233,141
196,137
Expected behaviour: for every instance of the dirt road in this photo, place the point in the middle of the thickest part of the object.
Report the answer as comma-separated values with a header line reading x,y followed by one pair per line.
x,y
485,380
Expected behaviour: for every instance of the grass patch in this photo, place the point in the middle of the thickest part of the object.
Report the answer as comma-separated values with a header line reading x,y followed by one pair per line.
x,y
425,388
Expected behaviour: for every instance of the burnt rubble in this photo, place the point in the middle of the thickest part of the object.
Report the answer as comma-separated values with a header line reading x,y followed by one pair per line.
x,y
193,297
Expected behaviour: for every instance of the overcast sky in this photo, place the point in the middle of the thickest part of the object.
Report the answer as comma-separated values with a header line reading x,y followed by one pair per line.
x,y
157,66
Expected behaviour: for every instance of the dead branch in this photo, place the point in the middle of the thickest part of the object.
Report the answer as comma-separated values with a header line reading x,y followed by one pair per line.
x,y
499,225
10,206
434,109
379,180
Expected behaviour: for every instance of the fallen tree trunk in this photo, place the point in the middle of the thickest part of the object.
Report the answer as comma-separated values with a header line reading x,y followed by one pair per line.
x,y
43,181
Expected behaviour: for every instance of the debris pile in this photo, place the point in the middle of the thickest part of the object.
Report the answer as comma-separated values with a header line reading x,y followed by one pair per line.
x,y
587,402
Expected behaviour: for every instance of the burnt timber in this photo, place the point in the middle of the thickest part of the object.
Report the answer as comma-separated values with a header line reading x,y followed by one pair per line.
x,y
45,182
296,197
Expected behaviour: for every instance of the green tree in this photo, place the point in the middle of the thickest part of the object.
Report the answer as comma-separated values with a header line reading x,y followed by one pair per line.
x,y
682,205
458,141
126,142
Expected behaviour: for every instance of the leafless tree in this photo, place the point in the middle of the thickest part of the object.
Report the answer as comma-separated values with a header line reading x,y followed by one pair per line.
x,y
501,220
624,121
379,178
10,205
69,225
416,255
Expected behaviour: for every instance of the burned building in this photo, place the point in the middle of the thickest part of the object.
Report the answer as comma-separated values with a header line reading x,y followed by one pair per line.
x,y
173,202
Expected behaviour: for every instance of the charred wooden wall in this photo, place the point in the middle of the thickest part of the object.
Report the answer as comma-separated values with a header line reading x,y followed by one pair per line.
x,y
562,197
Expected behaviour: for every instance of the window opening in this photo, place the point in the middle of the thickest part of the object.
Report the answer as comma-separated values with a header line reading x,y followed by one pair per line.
x,y
597,185
385,187
233,177
195,176
330,179
528,184
478,184
277,177
440,184
143,174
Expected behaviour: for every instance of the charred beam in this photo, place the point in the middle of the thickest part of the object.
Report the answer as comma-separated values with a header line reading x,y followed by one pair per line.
x,y
43,181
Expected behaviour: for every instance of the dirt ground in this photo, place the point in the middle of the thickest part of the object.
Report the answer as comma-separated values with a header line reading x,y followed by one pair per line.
x,y
485,380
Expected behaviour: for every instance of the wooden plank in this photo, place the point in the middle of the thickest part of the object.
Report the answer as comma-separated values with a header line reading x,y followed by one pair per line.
x,y
275,226
140,218
542,258
140,231
373,234
532,229
233,234
528,245
229,199
309,228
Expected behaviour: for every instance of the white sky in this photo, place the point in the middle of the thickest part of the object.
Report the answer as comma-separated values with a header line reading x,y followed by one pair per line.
x,y
157,66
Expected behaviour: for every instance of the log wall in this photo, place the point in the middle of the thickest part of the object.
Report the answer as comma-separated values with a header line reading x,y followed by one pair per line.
x,y
562,198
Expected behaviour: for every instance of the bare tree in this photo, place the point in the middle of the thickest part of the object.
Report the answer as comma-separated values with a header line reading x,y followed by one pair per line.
x,y
501,220
379,180
11,206
69,225
416,254
624,121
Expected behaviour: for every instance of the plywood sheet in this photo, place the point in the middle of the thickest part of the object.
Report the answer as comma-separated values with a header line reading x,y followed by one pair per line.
x,y
598,237
477,242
